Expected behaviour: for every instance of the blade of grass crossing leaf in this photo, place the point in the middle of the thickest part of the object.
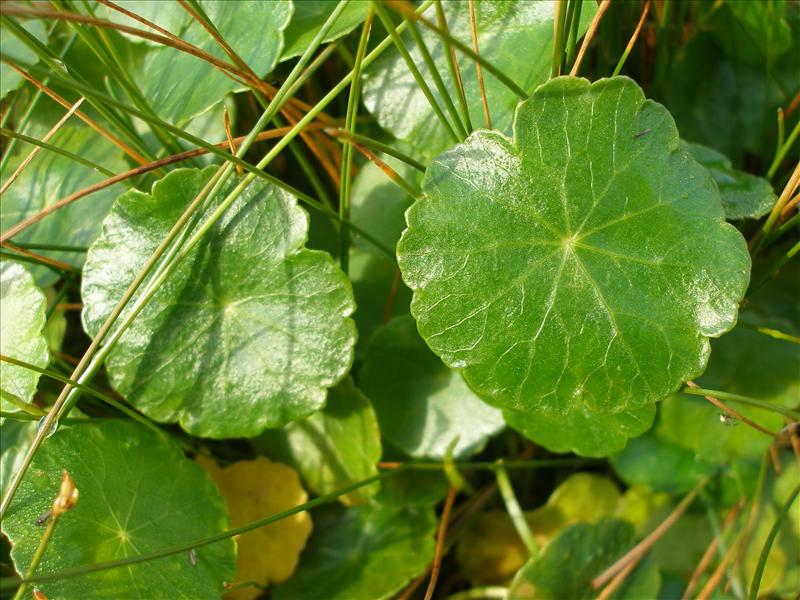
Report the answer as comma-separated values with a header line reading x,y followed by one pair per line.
x,y
452,67
51,148
561,17
376,145
423,86
132,560
473,25
347,150
693,391
773,533
633,39
587,39
572,42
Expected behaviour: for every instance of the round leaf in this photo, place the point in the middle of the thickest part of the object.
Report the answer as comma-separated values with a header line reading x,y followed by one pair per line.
x,y
248,332
576,271
252,490
334,447
422,405
370,551
138,494
308,18
22,305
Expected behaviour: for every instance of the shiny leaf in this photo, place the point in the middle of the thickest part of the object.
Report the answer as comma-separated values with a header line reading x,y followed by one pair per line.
x,y
250,330
308,18
15,50
576,271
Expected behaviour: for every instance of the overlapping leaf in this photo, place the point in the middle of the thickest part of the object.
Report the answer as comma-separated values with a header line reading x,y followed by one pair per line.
x,y
22,305
422,405
138,494
333,448
516,37
576,271
14,49
248,332
308,17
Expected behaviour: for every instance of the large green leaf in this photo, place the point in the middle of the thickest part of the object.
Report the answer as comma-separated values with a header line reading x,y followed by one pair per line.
x,y
367,552
422,405
308,18
14,50
138,494
179,86
753,32
743,195
517,37
248,332
576,271
50,177
332,448
22,305
569,563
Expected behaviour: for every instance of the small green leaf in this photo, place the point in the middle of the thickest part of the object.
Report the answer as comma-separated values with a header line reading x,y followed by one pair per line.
x,y
308,18
249,331
332,448
576,271
422,405
585,497
180,86
51,177
138,494
14,50
369,551
569,563
516,37
743,195
22,305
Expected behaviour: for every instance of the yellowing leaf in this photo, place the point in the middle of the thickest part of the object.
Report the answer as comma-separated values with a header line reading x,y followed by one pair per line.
x,y
254,489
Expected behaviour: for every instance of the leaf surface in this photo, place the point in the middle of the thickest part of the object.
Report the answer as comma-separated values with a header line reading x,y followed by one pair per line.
x,y
22,305
308,18
369,551
14,50
254,489
576,271
247,333
138,494
51,177
516,37
337,446
743,195
179,86
422,405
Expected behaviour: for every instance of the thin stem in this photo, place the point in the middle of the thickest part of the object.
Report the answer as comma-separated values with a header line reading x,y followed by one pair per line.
x,y
34,411
587,39
633,39
559,19
347,151
786,195
376,145
776,408
440,538
733,413
387,170
572,44
783,150
199,543
47,534
452,67
412,67
473,26
514,511
492,466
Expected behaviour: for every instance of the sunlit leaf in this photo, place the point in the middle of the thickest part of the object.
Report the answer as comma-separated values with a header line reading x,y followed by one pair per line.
x,y
14,50
422,405
250,330
254,489
22,305
575,272
138,494
366,552
516,37
334,447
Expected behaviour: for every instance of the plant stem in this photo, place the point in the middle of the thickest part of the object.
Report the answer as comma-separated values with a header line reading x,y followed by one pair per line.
x,y
514,511
776,408
473,27
452,66
780,154
633,39
376,145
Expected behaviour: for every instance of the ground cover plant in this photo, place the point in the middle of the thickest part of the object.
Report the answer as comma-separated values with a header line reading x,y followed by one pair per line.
x,y
442,299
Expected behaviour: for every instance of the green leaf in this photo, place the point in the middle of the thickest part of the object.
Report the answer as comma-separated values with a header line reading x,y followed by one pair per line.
x,y
308,18
15,439
180,86
516,37
22,305
421,404
14,50
585,497
366,552
50,177
413,488
167,15
752,32
575,272
138,494
248,332
569,563
743,195
332,448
